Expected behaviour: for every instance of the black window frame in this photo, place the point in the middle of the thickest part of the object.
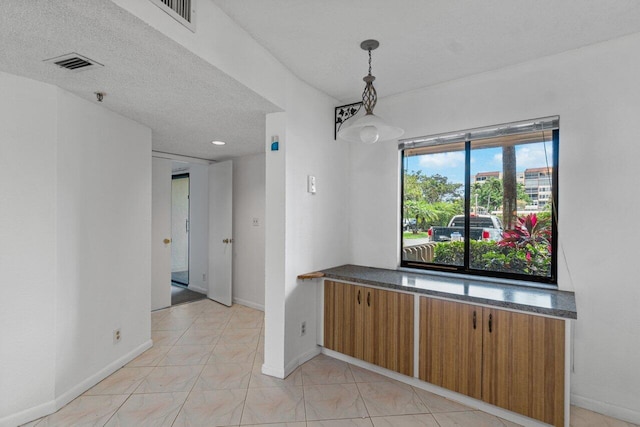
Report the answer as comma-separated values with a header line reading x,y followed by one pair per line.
x,y
465,268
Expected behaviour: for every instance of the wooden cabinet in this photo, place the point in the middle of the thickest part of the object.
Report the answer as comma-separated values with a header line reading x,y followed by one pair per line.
x,y
511,360
451,345
370,324
523,365
343,318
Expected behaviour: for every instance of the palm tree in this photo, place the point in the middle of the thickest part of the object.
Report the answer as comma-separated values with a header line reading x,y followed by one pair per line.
x,y
510,187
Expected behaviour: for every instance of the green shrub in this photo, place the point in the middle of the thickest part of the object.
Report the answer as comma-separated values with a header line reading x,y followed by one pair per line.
x,y
532,259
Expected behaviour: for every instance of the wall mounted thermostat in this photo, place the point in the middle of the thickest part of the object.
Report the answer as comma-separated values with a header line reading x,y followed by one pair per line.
x,y
311,184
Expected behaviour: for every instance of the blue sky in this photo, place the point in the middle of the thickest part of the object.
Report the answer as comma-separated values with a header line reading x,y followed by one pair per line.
x,y
451,164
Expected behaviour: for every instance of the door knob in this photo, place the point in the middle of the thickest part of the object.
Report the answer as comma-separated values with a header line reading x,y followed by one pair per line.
x,y
167,241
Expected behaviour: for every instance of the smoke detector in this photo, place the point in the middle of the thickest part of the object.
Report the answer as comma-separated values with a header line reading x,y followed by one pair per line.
x,y
74,62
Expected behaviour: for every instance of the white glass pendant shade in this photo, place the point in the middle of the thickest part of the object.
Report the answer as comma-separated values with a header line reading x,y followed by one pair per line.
x,y
370,129
369,134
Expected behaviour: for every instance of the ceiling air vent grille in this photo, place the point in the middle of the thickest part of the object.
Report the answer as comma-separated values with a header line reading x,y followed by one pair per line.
x,y
74,62
180,10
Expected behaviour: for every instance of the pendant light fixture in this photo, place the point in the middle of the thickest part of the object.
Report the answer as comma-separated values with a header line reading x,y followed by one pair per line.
x,y
369,128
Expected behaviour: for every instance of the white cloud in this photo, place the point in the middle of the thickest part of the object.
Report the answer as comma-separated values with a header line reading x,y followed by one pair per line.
x,y
533,156
443,160
529,156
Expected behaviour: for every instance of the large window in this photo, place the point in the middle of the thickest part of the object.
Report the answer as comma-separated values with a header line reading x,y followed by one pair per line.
x,y
483,201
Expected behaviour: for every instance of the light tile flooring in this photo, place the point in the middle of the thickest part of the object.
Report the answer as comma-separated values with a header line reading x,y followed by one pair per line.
x,y
204,370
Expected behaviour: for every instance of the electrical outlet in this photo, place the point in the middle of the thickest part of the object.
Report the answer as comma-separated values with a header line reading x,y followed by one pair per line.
x,y
303,328
256,222
116,336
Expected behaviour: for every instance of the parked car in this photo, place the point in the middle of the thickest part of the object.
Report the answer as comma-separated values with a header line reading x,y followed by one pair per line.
x,y
487,228
409,224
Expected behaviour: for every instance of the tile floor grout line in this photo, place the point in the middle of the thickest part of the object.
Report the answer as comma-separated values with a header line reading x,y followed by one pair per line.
x,y
116,411
359,394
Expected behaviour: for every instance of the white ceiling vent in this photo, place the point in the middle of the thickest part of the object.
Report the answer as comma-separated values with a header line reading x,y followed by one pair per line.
x,y
180,10
74,62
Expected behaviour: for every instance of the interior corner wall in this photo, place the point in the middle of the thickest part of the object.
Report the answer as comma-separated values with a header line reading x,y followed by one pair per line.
x,y
28,126
304,232
317,225
104,235
595,91
249,236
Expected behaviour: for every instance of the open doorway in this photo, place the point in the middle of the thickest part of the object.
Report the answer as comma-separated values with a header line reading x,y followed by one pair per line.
x,y
180,229
180,237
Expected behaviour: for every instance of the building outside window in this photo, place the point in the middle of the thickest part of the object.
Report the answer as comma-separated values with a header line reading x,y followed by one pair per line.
x,y
483,202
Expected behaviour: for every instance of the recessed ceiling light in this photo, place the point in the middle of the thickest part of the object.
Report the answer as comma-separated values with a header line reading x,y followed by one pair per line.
x,y
218,142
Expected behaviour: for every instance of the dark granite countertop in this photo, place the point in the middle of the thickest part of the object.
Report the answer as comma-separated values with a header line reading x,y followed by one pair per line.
x,y
529,299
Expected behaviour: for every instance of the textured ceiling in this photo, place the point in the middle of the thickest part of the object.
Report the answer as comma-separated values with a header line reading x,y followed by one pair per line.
x,y
187,102
422,42
147,77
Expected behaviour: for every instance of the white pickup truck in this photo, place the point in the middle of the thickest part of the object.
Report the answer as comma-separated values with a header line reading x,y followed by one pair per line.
x,y
486,228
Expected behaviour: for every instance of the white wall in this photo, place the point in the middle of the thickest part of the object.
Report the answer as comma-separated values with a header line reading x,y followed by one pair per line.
x,y
28,251
75,222
275,232
248,239
315,226
596,93
104,230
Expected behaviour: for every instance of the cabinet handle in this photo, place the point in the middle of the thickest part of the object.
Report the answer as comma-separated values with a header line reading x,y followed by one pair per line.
x,y
474,319
358,297
490,323
368,299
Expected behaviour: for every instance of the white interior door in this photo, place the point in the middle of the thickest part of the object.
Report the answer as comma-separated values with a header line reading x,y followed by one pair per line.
x,y
220,228
161,234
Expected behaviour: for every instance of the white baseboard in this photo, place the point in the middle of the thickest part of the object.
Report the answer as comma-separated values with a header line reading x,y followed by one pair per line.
x,y
273,372
305,357
291,366
28,415
625,414
57,403
249,304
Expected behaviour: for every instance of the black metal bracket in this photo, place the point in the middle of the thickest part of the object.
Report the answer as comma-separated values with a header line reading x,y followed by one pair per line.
x,y
344,113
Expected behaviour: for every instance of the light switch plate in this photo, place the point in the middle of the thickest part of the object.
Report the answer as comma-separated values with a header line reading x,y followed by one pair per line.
x,y
311,184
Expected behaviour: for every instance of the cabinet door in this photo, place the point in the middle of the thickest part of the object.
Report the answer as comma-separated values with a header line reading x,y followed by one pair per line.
x,y
523,366
388,330
329,332
343,318
451,345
